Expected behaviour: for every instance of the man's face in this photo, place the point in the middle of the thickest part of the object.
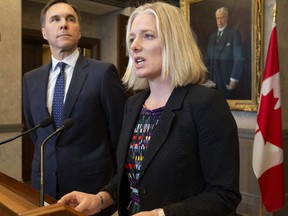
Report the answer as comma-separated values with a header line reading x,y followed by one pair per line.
x,y
61,28
221,19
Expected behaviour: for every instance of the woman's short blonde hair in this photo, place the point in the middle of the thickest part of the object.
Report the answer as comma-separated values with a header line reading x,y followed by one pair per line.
x,y
181,58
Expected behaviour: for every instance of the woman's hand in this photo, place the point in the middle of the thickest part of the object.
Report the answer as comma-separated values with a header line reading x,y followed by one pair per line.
x,y
88,204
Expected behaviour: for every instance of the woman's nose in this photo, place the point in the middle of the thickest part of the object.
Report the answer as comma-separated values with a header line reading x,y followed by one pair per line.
x,y
136,45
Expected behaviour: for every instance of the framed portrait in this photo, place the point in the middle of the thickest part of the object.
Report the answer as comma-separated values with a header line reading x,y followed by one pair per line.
x,y
245,19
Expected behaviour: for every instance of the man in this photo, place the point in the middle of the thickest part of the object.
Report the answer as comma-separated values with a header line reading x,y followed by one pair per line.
x,y
81,158
224,58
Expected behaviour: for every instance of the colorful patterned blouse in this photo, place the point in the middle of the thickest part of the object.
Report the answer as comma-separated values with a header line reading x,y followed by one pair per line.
x,y
146,122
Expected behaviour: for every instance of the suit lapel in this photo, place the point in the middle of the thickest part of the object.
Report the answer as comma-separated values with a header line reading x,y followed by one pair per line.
x,y
77,81
42,93
42,86
223,37
223,40
161,131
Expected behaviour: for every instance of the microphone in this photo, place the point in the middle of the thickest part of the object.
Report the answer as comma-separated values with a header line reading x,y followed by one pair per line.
x,y
44,123
66,125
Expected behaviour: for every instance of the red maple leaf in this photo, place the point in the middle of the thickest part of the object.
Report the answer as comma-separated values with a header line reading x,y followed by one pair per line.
x,y
269,120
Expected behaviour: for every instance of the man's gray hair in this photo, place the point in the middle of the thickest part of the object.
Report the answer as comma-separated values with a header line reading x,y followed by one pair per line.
x,y
222,10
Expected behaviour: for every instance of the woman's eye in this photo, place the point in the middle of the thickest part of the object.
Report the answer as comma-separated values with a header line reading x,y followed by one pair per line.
x,y
148,36
131,40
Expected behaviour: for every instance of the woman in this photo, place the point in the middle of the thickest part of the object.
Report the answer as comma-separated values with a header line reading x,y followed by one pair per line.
x,y
178,151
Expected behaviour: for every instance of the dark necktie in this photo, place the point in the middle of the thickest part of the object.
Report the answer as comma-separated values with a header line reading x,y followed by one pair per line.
x,y
219,33
58,97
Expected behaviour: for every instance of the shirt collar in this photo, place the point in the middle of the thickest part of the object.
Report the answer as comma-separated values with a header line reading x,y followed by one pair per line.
x,y
69,60
222,29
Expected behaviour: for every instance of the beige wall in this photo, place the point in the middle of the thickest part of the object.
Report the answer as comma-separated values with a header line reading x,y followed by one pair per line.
x,y
10,62
10,82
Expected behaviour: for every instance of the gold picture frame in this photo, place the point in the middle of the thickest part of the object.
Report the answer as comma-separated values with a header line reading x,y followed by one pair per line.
x,y
250,11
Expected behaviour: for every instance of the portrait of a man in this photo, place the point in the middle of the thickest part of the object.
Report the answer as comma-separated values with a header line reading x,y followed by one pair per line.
x,y
224,57
222,29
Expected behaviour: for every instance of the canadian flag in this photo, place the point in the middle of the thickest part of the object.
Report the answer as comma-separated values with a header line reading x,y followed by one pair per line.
x,y
268,150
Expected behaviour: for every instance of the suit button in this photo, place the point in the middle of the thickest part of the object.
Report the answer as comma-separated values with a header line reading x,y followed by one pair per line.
x,y
142,190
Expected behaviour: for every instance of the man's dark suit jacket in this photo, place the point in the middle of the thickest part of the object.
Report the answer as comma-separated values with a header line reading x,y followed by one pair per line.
x,y
191,166
224,59
82,157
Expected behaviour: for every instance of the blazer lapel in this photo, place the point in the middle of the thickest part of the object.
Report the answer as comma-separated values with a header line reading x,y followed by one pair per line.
x,y
161,132
78,79
130,119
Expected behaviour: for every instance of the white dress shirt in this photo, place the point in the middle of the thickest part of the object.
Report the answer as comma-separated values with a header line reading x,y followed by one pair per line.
x,y
54,72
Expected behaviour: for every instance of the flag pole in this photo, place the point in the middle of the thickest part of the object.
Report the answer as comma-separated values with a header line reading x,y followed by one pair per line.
x,y
274,12
260,207
274,22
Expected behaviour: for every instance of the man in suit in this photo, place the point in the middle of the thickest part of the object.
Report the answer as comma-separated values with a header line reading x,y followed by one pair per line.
x,y
82,158
224,58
